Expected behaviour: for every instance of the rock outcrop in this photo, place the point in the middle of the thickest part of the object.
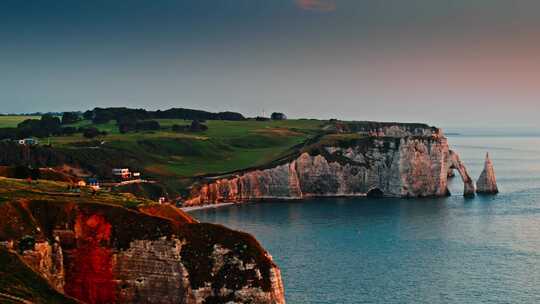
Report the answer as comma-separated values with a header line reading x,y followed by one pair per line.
x,y
106,254
393,162
487,182
21,284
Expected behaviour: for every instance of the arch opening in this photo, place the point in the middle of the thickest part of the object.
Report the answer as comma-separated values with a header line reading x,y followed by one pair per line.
x,y
455,163
375,193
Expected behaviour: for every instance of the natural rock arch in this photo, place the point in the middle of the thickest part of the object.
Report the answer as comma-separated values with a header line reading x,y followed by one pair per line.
x,y
375,193
454,162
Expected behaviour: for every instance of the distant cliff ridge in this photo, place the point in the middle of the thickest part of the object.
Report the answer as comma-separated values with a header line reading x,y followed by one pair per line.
x,y
394,160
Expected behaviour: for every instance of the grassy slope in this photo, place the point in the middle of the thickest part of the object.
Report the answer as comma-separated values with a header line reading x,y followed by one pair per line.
x,y
13,189
226,146
10,121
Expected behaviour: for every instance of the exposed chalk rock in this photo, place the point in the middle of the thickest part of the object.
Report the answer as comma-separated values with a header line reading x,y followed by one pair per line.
x,y
47,260
406,166
487,183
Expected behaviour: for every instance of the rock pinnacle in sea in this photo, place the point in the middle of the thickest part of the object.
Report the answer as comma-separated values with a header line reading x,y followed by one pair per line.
x,y
487,182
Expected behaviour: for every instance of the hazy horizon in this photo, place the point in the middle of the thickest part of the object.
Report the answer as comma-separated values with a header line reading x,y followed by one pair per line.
x,y
448,64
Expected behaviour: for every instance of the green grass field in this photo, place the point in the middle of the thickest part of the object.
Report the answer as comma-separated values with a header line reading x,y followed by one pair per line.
x,y
226,146
12,121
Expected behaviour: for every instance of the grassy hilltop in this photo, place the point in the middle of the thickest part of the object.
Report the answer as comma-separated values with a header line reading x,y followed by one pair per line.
x,y
225,146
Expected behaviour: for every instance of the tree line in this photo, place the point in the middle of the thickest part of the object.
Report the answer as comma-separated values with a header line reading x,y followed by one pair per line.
x,y
128,120
104,115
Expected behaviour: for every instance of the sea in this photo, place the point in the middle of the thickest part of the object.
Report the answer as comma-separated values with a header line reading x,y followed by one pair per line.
x,y
433,250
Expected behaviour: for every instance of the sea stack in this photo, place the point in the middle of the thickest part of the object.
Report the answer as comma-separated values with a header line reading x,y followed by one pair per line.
x,y
487,183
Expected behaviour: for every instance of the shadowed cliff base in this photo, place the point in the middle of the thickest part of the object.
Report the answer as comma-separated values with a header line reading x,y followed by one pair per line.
x,y
375,193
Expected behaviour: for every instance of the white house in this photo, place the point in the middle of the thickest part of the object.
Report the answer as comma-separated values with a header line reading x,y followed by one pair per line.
x,y
122,173
28,142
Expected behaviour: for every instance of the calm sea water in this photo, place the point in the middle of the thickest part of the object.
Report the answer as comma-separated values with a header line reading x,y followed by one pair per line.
x,y
448,250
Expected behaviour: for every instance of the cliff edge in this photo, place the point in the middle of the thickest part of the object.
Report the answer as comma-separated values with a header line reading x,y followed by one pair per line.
x,y
394,161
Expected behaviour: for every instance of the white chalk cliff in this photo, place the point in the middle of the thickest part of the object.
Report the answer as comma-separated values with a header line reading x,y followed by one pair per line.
x,y
389,163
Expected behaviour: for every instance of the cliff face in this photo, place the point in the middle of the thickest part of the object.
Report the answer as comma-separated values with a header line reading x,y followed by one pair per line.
x,y
106,254
391,162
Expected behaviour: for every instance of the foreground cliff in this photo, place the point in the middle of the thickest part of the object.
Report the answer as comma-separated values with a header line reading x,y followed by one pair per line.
x,y
394,161
99,253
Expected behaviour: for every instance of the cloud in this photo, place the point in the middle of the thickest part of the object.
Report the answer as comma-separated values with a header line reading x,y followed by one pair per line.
x,y
316,5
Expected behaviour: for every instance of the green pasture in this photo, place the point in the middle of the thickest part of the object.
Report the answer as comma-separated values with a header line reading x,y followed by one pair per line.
x,y
226,145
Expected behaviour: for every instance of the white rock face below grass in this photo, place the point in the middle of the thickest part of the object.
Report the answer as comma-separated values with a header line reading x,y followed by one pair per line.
x,y
391,166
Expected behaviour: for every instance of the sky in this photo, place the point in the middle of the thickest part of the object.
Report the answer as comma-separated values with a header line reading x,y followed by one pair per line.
x,y
444,62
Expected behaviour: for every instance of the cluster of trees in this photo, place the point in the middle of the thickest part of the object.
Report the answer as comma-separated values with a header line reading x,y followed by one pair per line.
x,y
121,115
278,116
134,120
70,118
125,115
199,115
136,126
196,126
128,120
48,125
274,116
92,132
